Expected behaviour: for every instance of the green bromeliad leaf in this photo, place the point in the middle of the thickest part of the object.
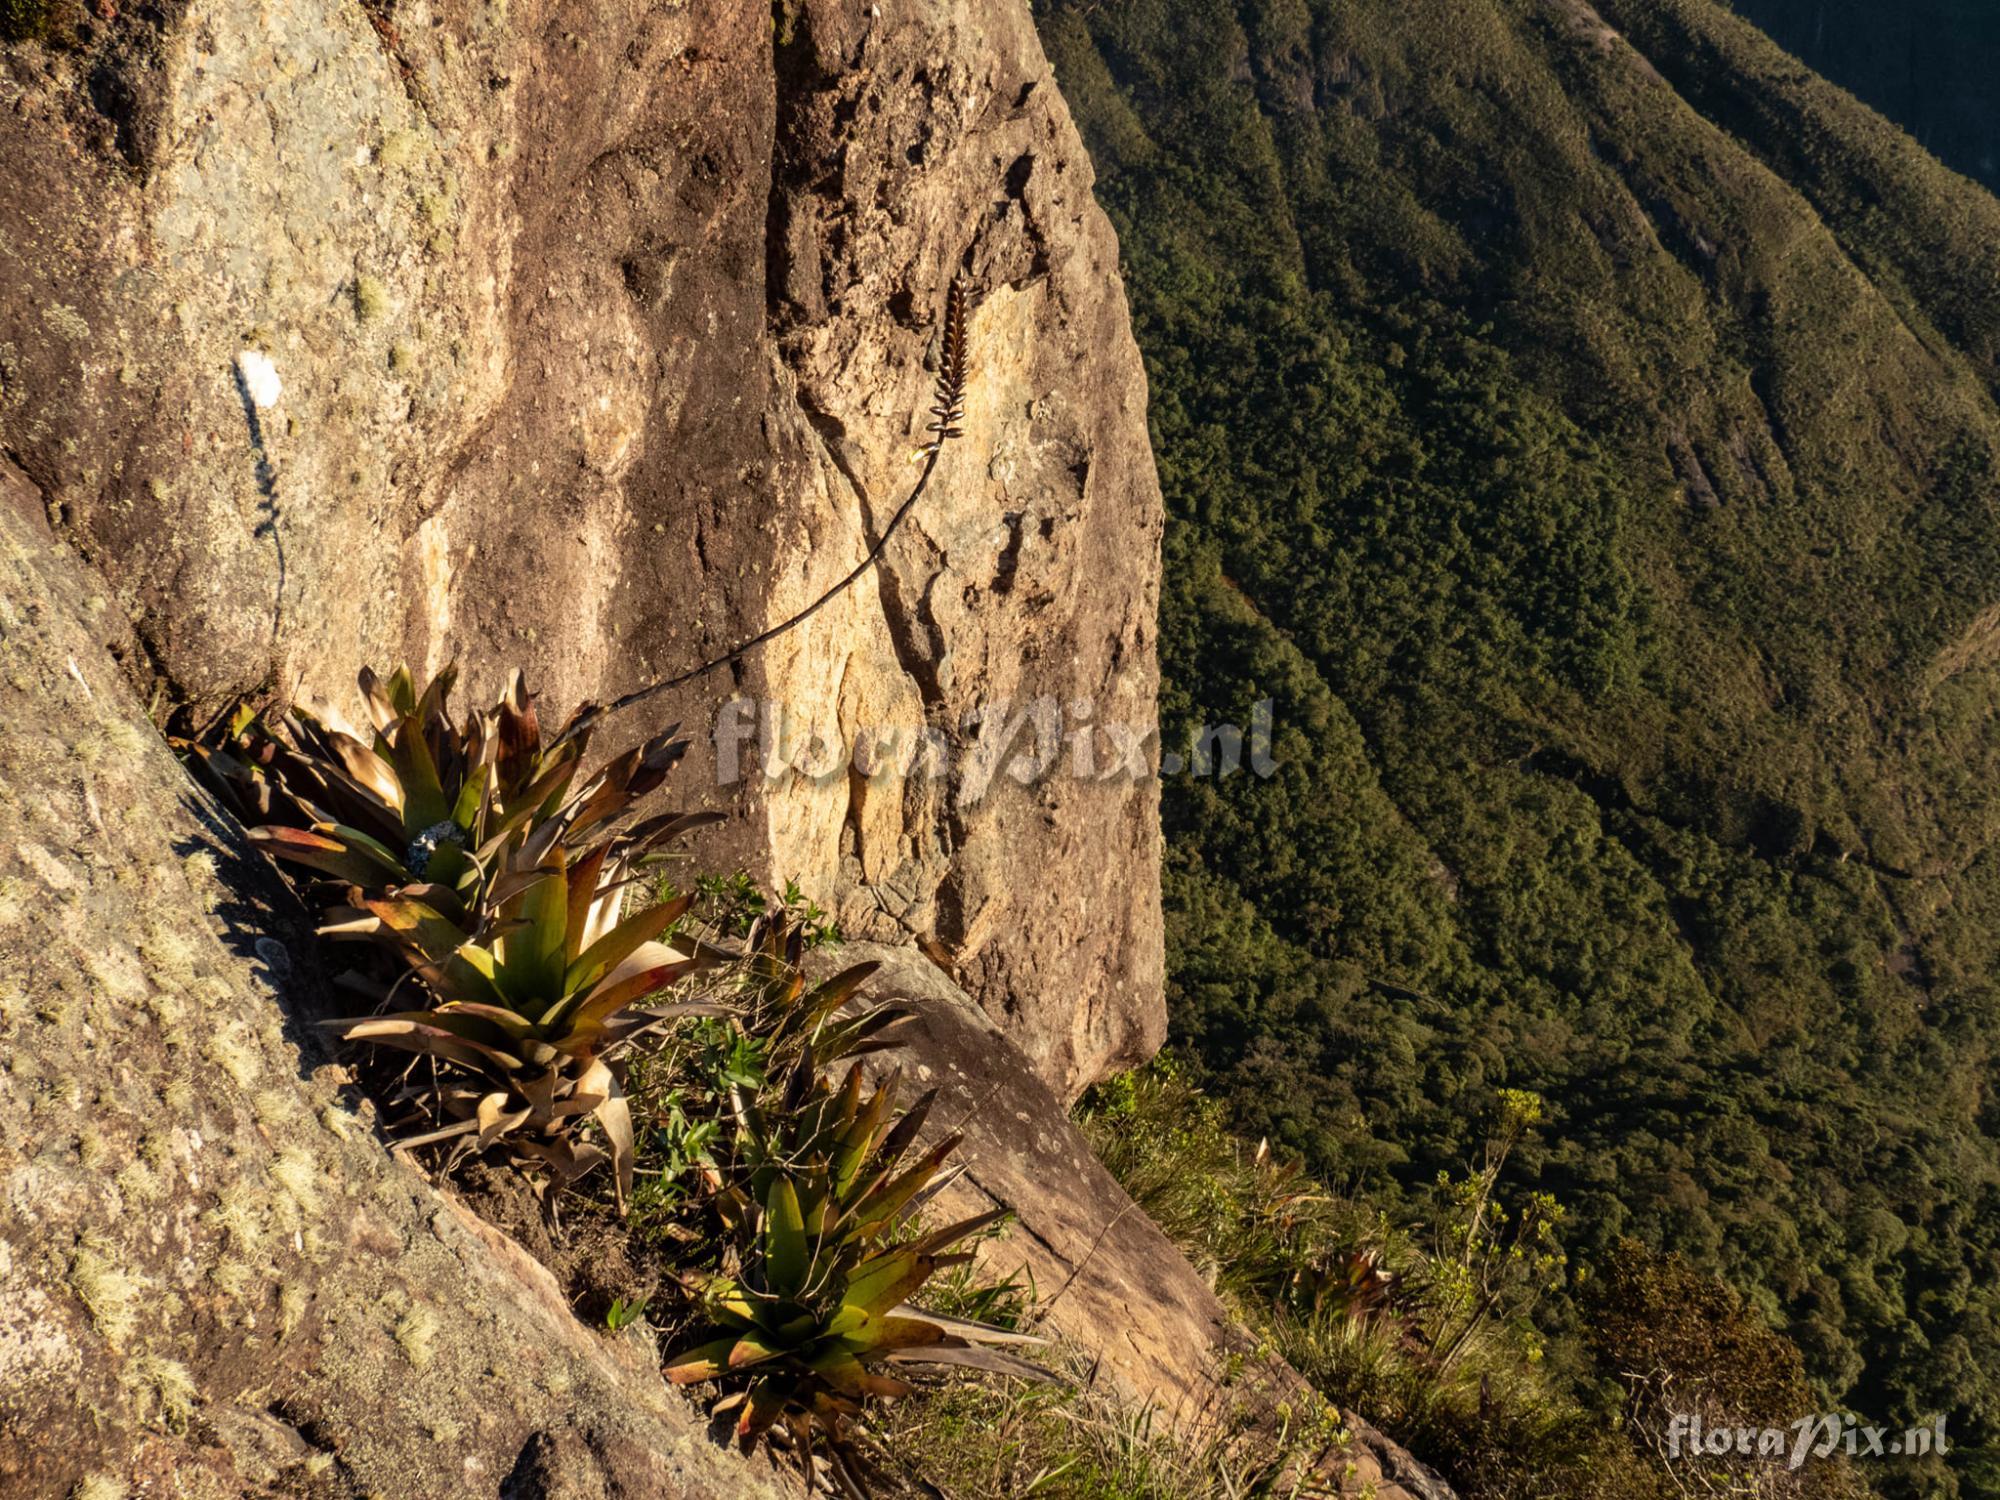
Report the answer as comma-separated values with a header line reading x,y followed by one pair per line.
x,y
785,1256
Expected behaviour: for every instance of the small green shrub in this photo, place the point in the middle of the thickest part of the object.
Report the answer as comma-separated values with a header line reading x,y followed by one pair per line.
x,y
729,906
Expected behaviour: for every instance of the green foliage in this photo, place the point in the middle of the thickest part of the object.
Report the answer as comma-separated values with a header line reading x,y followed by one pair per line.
x,y
496,882
1074,1441
622,1314
731,905
1928,68
1684,1344
1591,457
1421,1320
1251,1221
1490,1263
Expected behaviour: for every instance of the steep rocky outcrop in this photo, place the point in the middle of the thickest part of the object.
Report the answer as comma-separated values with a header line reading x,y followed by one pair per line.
x,y
210,1268
602,336
588,339
1108,1280
213,1273
214,1280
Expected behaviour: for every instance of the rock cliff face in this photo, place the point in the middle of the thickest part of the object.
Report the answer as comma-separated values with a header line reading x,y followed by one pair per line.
x,y
602,335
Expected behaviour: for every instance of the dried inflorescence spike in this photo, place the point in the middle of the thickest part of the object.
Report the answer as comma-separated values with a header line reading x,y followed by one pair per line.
x,y
947,410
954,364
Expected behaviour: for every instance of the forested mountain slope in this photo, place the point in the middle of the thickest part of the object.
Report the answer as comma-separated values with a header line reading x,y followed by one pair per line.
x,y
1582,424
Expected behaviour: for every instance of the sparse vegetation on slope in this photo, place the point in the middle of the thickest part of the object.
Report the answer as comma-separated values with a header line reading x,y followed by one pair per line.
x,y
1422,1319
1928,67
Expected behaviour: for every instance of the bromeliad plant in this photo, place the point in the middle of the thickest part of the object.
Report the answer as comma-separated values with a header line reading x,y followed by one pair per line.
x,y
466,852
419,799
811,1311
497,880
814,1198
537,996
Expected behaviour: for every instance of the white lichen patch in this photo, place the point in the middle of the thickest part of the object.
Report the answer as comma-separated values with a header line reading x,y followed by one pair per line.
x,y
127,738
231,1050
110,1294
167,1007
138,1185
99,1487
89,745
93,1150
66,321
170,954
232,1278
164,1390
242,1214
63,1091
291,1309
399,149
295,1171
35,1351
119,973
416,1334
52,872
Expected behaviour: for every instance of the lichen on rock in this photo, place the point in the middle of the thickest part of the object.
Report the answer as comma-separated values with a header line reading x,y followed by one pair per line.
x,y
210,1266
